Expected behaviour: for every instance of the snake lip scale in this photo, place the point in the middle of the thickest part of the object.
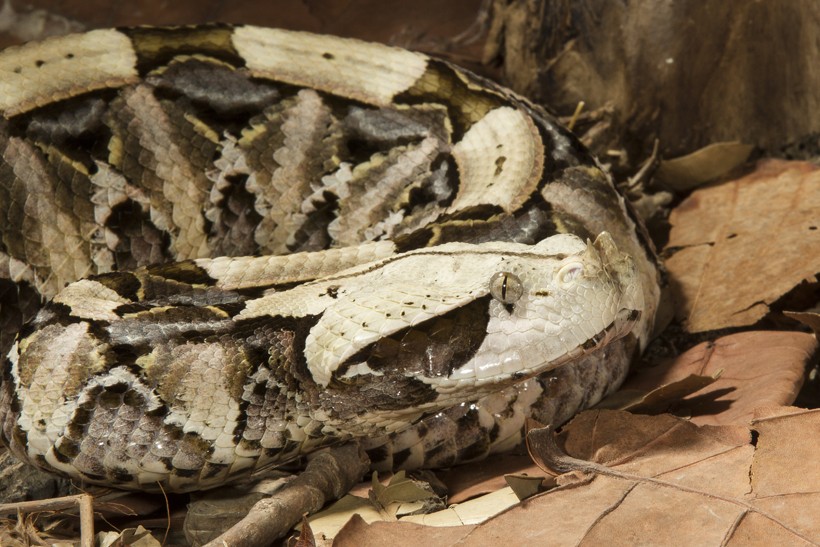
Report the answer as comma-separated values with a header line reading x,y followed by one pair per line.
x,y
226,247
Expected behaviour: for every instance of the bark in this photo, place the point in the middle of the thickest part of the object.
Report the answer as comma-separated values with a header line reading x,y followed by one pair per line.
x,y
686,71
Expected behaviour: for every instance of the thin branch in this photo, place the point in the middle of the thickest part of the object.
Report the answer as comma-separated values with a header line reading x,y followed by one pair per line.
x,y
328,476
84,502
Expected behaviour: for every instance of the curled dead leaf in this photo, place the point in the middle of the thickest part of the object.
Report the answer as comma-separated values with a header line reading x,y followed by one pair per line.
x,y
811,319
703,165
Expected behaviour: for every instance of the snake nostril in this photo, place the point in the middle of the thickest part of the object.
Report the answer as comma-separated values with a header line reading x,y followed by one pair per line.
x,y
570,272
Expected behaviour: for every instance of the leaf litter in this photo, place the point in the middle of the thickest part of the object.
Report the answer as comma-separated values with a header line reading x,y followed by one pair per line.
x,y
737,247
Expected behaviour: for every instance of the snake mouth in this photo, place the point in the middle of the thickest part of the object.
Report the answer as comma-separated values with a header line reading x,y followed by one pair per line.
x,y
624,322
622,325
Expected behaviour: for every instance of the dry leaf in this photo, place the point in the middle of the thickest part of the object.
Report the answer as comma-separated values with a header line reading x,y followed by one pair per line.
x,y
468,481
473,511
332,519
657,480
810,319
759,368
306,537
701,166
130,537
404,496
659,399
743,244
358,533
526,486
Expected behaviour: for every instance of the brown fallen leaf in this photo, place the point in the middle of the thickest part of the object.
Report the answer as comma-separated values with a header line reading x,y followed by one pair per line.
x,y
741,245
656,480
358,533
811,319
403,496
659,399
474,479
782,461
759,368
130,537
660,479
306,537
526,486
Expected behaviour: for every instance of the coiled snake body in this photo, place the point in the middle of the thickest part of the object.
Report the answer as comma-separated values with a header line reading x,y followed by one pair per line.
x,y
424,259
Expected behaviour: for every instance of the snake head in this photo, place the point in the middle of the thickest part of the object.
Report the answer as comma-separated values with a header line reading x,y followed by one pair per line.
x,y
565,304
466,320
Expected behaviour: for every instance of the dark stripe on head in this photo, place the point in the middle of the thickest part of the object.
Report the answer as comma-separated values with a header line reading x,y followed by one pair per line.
x,y
431,349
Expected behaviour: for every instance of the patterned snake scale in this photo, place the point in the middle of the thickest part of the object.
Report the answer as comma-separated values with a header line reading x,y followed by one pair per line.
x,y
422,258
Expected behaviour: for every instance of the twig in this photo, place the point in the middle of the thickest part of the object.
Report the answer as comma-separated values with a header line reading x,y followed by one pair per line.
x,y
643,173
328,476
578,109
84,502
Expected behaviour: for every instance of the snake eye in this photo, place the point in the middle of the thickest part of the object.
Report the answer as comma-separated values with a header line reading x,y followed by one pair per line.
x,y
506,287
570,272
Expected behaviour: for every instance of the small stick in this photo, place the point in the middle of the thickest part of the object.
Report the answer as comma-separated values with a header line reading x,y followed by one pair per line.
x,y
328,476
84,502
578,108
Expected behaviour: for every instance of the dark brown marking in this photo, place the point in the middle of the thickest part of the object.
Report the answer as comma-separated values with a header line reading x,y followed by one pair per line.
x,y
400,457
124,284
465,104
121,475
499,165
378,454
431,349
185,272
220,89
156,46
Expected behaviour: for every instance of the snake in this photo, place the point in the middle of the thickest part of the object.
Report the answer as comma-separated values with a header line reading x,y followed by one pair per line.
x,y
226,247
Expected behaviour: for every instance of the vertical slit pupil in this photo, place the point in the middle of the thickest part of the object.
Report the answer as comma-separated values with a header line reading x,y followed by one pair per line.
x,y
504,288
